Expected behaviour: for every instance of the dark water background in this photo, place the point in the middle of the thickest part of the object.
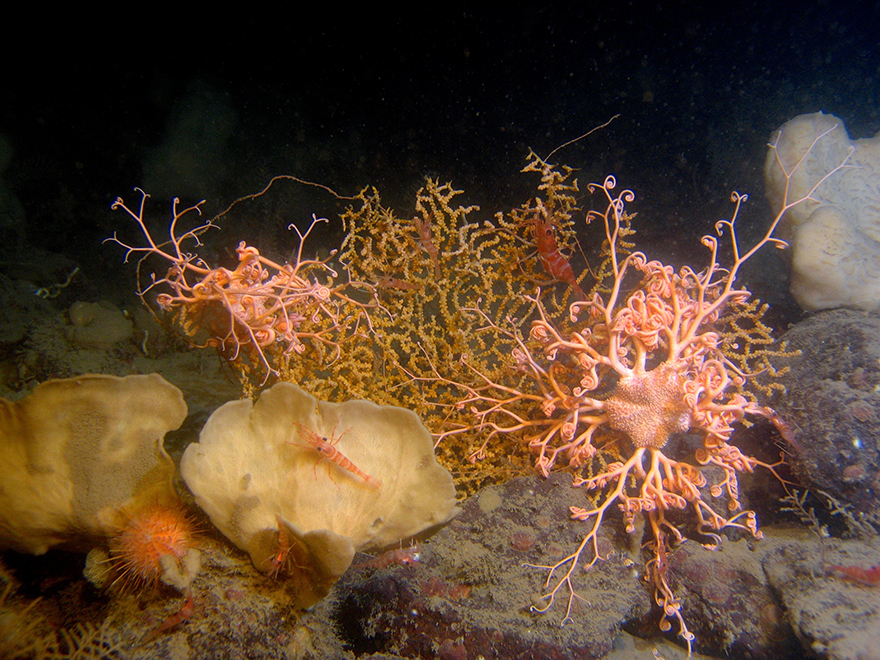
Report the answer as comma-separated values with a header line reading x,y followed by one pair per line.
x,y
210,103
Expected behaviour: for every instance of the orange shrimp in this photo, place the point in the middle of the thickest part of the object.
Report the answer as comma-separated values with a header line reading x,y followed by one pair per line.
x,y
388,282
551,258
183,614
867,576
286,554
327,449
399,557
426,238
279,559
781,425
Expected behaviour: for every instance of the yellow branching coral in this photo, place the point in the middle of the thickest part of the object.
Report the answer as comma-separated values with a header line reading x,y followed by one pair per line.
x,y
402,295
445,283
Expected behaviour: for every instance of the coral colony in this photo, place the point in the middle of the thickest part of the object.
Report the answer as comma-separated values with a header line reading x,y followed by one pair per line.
x,y
515,351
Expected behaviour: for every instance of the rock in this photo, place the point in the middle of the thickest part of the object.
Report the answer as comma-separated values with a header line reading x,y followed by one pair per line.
x,y
831,398
98,325
727,600
470,595
835,615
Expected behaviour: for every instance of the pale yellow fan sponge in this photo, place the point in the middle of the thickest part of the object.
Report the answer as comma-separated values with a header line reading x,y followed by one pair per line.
x,y
79,453
295,509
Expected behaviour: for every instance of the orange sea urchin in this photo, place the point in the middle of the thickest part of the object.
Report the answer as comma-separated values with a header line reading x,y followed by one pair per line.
x,y
156,544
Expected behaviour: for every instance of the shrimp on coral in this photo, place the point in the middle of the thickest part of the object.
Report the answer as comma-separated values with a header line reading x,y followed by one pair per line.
x,y
551,258
426,240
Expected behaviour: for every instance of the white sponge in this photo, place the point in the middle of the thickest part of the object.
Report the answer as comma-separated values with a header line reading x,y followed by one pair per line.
x,y
835,234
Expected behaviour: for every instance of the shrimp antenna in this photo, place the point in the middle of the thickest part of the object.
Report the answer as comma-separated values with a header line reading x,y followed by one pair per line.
x,y
581,137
